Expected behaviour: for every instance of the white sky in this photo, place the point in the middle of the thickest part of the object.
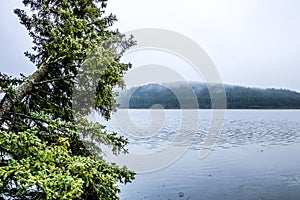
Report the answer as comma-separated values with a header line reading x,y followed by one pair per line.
x,y
252,42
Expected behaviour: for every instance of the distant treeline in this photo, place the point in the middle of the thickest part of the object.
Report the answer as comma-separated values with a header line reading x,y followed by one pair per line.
x,y
197,95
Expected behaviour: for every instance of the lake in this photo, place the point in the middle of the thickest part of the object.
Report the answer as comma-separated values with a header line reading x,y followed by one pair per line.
x,y
256,154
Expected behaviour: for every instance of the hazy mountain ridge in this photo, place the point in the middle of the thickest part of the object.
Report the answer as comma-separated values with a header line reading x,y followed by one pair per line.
x,y
197,95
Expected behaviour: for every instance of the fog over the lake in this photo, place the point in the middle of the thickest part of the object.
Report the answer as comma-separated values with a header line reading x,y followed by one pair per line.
x,y
251,42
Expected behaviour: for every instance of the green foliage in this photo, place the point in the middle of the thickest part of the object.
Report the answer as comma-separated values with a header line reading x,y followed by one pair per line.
x,y
48,150
51,168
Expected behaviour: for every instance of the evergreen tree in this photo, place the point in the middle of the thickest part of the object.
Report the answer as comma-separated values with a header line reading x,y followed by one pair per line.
x,y
42,148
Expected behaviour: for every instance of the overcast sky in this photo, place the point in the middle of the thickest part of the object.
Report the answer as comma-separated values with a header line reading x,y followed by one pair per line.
x,y
252,42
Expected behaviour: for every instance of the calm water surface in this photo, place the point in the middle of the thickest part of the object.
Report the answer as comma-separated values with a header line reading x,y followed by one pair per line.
x,y
257,156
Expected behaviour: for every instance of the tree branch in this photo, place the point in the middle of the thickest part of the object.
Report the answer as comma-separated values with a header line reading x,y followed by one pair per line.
x,y
23,89
53,80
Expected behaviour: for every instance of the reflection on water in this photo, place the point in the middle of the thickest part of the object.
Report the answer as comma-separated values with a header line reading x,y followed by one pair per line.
x,y
256,157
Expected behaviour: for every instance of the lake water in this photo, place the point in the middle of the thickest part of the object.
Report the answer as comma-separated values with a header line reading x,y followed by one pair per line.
x,y
256,155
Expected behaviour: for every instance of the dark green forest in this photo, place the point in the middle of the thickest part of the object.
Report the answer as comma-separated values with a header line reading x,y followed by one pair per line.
x,y
174,96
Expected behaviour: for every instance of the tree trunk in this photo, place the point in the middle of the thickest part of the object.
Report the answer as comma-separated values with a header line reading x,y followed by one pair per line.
x,y
21,91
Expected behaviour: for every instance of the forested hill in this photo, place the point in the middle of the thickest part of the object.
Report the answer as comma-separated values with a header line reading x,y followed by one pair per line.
x,y
180,95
